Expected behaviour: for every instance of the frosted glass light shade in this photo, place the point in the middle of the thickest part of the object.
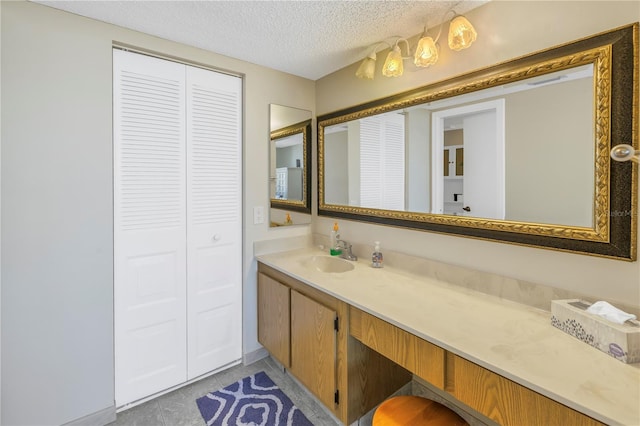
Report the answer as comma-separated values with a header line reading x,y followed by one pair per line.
x,y
426,52
367,68
393,66
461,33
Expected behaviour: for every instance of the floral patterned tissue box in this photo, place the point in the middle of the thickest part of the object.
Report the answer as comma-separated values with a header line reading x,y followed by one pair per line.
x,y
621,341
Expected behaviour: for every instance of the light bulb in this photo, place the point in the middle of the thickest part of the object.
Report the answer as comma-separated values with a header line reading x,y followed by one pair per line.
x,y
426,52
461,33
393,66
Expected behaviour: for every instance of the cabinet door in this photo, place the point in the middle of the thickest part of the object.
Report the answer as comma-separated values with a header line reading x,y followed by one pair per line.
x,y
459,161
446,166
313,347
453,161
274,318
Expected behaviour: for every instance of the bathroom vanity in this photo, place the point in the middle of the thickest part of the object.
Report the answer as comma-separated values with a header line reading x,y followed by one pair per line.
x,y
307,331
354,334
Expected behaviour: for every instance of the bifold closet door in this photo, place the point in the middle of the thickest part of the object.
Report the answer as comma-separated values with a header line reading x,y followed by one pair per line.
x,y
177,223
149,225
214,220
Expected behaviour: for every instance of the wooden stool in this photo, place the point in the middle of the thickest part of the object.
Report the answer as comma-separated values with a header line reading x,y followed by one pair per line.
x,y
415,411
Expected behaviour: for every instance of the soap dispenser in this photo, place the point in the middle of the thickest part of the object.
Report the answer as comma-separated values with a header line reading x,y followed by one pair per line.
x,y
376,256
334,249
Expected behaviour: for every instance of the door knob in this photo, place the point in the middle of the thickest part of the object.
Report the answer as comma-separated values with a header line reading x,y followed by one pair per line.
x,y
466,209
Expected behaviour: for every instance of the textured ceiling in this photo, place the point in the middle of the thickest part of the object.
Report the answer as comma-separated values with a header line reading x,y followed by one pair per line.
x,y
307,38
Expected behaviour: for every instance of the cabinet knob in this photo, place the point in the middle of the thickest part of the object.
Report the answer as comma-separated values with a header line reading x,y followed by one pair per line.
x,y
216,238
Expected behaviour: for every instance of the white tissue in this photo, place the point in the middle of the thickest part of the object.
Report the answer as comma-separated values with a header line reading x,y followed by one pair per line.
x,y
610,312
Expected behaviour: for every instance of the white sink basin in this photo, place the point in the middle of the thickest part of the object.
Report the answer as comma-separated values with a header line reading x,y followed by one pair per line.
x,y
329,264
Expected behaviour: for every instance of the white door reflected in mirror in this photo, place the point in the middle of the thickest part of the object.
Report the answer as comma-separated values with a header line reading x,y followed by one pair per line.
x,y
469,180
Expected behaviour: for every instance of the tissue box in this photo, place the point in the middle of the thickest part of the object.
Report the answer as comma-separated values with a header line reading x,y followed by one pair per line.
x,y
621,341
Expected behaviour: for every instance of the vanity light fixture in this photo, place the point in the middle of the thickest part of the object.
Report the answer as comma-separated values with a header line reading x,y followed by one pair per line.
x,y
624,152
461,36
461,33
367,68
426,51
393,65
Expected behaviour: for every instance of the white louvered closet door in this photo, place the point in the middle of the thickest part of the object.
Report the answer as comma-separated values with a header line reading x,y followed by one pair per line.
x,y
370,169
178,226
214,220
149,225
382,162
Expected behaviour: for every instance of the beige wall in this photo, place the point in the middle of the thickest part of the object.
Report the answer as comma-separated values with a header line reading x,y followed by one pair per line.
x,y
506,30
418,160
453,137
549,160
57,210
336,156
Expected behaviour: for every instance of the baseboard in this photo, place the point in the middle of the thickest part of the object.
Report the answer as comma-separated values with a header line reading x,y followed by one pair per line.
x,y
257,355
99,418
176,387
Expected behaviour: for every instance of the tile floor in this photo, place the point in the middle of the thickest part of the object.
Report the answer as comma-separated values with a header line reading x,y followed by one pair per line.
x,y
179,408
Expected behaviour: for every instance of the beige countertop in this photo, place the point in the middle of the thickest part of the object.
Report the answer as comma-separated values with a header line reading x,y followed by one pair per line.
x,y
514,340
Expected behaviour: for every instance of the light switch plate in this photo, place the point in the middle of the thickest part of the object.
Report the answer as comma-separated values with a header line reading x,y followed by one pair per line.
x,y
258,215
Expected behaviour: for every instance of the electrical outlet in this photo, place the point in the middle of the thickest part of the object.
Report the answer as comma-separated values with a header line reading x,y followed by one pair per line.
x,y
258,215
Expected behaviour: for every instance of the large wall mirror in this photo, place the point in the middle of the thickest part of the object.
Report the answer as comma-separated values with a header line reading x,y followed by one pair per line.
x,y
517,152
289,166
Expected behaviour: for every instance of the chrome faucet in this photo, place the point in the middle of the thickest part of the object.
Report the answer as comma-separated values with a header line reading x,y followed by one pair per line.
x,y
346,250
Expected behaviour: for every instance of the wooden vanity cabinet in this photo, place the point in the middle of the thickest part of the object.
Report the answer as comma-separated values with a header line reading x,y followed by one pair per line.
x,y
352,360
502,400
297,325
505,401
274,307
418,356
313,346
307,331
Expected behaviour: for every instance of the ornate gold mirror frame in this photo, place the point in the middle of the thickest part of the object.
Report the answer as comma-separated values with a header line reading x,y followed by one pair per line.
x,y
614,56
303,205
